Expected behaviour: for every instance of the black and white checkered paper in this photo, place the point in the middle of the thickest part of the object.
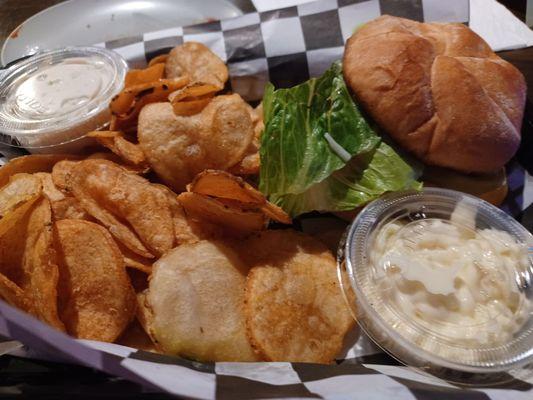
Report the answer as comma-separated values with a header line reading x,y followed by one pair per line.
x,y
284,46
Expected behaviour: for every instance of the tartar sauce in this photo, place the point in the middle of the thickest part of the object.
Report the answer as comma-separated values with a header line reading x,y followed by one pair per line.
x,y
61,88
451,278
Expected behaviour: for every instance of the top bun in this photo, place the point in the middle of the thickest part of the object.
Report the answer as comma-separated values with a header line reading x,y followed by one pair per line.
x,y
439,91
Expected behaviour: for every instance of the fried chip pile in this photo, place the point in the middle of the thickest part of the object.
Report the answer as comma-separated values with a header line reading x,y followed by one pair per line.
x,y
157,241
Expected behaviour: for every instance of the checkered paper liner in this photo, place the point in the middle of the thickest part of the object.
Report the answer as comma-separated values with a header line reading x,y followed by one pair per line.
x,y
285,46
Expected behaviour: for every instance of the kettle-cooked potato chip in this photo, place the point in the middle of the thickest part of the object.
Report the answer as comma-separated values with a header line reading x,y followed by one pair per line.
x,y
178,147
19,189
211,210
30,164
41,272
63,206
198,62
224,185
14,295
294,309
195,301
97,300
115,141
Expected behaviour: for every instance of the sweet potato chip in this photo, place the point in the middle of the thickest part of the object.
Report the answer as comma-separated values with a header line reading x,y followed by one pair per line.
x,y
31,164
192,99
195,301
294,307
127,151
147,75
224,185
209,209
128,103
97,300
40,265
19,189
198,62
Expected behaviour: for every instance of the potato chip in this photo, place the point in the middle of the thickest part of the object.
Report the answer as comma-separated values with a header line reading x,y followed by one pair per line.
x,y
251,162
224,185
134,336
209,209
97,300
161,59
135,211
19,189
195,301
63,206
178,148
30,164
41,272
198,62
294,307
14,295
128,103
145,316
192,99
147,75
127,151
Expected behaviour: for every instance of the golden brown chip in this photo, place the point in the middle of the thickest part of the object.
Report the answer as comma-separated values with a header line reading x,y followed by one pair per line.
x,y
223,185
41,272
192,99
134,336
147,75
97,300
194,303
232,218
161,59
127,151
138,213
128,103
14,295
294,308
198,62
178,148
19,189
63,206
31,164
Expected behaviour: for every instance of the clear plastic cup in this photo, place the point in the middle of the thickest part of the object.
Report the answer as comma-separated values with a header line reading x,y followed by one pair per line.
x,y
24,120
432,344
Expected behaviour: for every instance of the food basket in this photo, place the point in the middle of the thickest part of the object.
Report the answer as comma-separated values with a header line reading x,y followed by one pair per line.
x,y
284,46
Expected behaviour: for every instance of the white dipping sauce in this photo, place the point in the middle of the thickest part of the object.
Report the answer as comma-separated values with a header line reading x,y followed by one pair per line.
x,y
62,88
451,278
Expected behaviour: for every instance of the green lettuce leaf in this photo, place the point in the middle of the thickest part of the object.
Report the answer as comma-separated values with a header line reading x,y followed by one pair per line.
x,y
319,153
362,180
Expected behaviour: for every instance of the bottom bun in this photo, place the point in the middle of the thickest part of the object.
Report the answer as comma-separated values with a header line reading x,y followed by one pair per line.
x,y
489,187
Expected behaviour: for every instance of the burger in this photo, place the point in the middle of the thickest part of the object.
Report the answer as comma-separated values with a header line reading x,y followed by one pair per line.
x,y
441,94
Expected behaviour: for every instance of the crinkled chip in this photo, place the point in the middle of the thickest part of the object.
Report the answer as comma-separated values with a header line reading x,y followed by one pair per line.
x,y
198,62
97,300
195,301
179,147
294,309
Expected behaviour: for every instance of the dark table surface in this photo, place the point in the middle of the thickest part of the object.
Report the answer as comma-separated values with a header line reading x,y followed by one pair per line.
x,y
22,378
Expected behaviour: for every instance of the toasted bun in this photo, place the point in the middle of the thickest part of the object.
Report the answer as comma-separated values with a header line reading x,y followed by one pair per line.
x,y
439,91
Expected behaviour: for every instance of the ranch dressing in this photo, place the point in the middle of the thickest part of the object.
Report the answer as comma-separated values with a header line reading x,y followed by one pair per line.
x,y
451,278
61,88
